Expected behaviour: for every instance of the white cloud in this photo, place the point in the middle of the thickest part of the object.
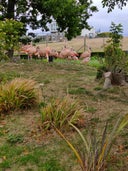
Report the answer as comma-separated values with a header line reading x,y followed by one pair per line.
x,y
102,20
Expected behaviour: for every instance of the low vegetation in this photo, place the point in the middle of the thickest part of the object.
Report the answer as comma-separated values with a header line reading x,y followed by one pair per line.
x,y
95,149
19,93
24,142
61,111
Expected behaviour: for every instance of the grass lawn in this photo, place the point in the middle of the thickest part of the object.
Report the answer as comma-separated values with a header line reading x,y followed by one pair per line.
x,y
25,146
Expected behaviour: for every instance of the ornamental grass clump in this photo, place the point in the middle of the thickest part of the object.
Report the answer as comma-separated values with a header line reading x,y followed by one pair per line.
x,y
19,93
60,112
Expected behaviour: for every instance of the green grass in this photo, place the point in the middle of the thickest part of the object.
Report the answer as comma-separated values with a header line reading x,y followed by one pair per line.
x,y
29,157
24,145
95,62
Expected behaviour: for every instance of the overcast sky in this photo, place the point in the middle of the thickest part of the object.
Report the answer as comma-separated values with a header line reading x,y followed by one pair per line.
x,y
102,20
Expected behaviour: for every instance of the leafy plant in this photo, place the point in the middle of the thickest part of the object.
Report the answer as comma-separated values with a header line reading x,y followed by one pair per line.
x,y
10,31
115,58
116,33
61,111
18,94
95,151
52,165
13,138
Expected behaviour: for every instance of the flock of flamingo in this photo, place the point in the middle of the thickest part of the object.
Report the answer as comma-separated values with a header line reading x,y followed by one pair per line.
x,y
47,52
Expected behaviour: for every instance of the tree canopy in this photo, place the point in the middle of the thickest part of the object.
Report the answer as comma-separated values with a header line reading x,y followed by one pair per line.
x,y
71,15
112,3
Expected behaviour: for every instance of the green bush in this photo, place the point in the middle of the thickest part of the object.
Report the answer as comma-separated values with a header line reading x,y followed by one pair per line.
x,y
103,34
19,93
10,32
25,39
115,58
61,111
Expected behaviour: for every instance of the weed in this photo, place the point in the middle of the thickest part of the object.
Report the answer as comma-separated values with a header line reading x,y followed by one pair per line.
x,y
46,81
52,165
5,164
13,138
80,91
98,88
91,110
95,120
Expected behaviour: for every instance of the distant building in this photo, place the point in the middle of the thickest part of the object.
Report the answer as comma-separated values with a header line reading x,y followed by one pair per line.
x,y
89,33
53,28
55,34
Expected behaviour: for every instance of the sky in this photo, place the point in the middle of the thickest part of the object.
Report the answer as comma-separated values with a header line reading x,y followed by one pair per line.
x,y
101,20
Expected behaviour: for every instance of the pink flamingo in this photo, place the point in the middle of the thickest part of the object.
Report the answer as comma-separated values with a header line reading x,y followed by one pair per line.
x,y
86,56
68,53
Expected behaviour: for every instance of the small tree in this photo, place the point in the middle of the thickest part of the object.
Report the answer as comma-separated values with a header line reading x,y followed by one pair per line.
x,y
10,32
113,52
116,61
116,33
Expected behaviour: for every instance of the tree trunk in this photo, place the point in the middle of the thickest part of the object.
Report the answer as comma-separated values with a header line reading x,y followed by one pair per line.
x,y
118,79
10,9
10,53
114,79
10,15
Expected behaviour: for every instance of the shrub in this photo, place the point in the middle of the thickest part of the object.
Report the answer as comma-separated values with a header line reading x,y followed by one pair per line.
x,y
10,32
103,34
61,111
115,59
25,39
19,94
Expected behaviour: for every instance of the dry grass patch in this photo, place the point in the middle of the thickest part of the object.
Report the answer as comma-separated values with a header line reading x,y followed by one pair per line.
x,y
97,44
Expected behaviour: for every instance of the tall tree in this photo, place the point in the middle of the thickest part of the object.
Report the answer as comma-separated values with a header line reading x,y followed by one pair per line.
x,y
112,3
71,15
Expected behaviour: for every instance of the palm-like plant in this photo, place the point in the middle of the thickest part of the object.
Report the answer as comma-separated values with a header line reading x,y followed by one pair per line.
x,y
95,151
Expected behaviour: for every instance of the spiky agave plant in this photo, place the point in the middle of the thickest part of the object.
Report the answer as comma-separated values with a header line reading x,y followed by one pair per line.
x,y
19,93
95,151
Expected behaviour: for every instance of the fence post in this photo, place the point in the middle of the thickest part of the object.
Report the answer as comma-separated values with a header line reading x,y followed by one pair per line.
x,y
85,41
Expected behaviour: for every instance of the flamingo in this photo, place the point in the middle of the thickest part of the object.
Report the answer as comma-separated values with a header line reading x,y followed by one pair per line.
x,y
29,50
86,56
68,53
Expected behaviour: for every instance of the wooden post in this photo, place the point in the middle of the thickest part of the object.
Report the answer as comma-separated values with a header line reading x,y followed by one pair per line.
x,y
46,40
85,42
